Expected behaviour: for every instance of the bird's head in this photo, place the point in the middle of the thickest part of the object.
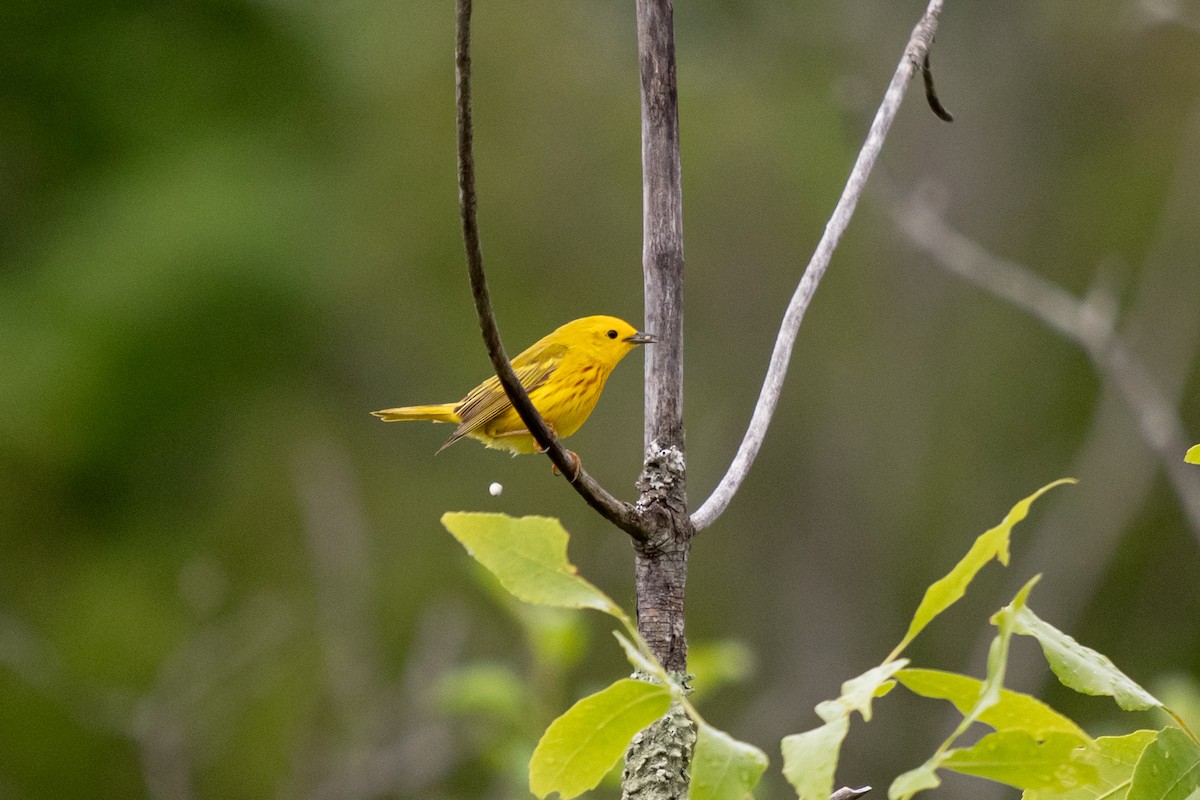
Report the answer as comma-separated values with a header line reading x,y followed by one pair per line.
x,y
610,338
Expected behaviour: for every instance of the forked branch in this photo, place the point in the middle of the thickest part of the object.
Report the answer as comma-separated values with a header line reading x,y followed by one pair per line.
x,y
914,57
1081,321
621,514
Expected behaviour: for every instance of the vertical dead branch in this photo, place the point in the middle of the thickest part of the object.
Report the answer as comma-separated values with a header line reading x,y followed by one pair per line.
x,y
662,223
657,762
661,570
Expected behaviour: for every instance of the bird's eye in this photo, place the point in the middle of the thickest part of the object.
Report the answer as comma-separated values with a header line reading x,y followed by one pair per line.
x,y
612,334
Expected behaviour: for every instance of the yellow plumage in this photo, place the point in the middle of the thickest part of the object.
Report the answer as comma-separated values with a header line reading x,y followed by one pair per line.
x,y
564,374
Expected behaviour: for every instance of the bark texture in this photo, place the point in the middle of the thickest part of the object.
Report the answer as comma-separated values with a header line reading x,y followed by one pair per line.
x,y
662,223
656,764
661,561
662,557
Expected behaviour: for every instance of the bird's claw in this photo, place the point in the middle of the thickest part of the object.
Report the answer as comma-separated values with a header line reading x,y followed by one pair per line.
x,y
576,465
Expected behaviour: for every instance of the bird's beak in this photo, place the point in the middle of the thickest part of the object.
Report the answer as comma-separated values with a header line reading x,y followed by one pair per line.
x,y
641,338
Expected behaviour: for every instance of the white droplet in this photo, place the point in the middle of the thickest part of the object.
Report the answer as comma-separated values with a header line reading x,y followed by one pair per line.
x,y
495,489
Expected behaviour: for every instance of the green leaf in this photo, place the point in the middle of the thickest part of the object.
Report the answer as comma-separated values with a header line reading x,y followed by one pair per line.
x,y
991,544
558,636
583,744
925,776
1180,694
724,768
718,664
642,661
1169,768
1114,758
1058,762
1081,668
997,663
489,689
1014,711
1193,454
857,693
810,758
529,557
915,780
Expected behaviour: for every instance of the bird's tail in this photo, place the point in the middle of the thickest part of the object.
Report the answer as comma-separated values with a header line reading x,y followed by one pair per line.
x,y
437,413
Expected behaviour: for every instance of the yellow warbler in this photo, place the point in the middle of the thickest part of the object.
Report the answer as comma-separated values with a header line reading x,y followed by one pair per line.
x,y
564,374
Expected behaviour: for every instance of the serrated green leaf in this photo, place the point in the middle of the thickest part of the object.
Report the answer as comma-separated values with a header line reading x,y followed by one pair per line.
x,y
1014,711
991,544
1193,454
858,692
1059,761
1081,668
582,745
724,768
810,758
1169,768
922,778
1114,758
529,557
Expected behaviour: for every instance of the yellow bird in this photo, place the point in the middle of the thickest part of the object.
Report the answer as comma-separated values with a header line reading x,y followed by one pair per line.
x,y
564,374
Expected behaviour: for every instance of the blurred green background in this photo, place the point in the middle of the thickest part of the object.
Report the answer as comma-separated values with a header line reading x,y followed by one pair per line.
x,y
228,230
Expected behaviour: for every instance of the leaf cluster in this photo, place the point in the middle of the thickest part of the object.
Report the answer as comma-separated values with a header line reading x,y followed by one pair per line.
x,y
1031,746
529,557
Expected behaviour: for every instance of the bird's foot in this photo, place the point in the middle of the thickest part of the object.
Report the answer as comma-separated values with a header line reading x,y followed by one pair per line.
x,y
576,465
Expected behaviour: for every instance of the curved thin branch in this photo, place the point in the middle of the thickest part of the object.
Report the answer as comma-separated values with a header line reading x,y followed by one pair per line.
x,y
1078,321
914,55
621,514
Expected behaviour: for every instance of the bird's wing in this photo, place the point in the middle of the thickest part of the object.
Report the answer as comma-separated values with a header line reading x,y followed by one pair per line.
x,y
488,400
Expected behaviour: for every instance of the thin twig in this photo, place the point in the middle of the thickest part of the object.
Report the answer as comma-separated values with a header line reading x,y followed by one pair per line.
x,y
846,793
931,95
914,55
621,514
1076,320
